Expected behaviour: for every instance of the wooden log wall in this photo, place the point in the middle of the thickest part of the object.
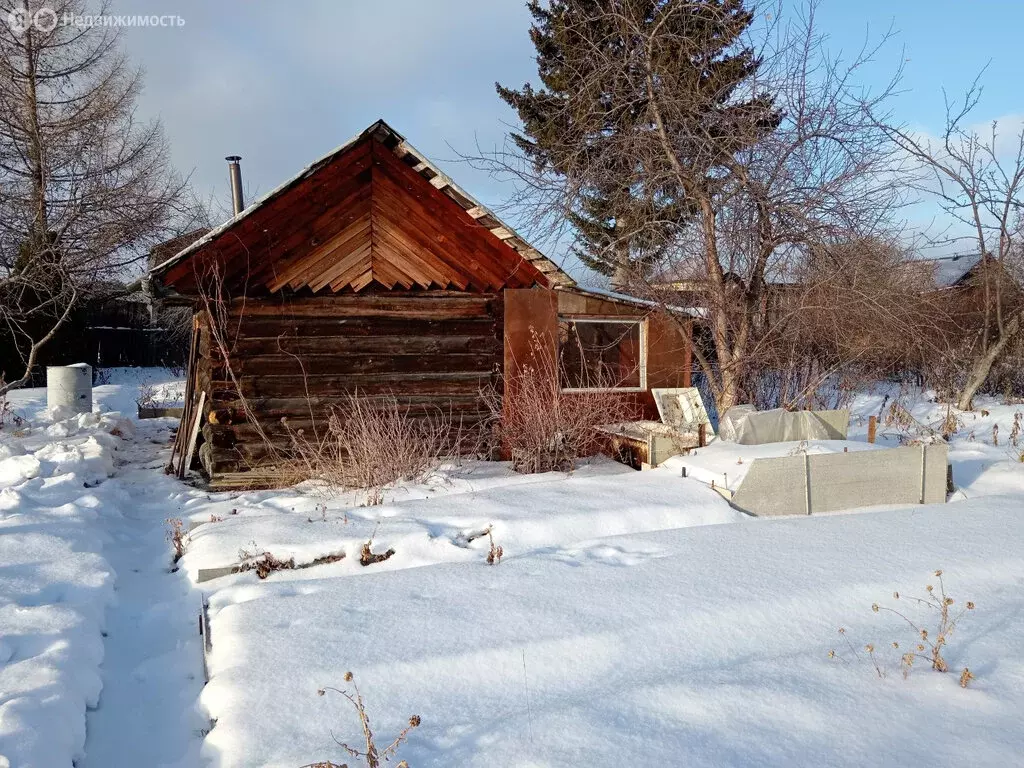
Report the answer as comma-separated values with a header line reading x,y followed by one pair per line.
x,y
297,358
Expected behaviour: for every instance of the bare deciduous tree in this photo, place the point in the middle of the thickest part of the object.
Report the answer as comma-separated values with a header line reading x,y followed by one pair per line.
x,y
979,182
85,188
785,162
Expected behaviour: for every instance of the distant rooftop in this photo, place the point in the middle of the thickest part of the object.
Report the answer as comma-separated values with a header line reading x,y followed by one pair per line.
x,y
950,270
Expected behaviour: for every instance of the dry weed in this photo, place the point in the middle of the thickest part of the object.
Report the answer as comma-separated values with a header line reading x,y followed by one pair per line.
x,y
265,565
369,752
176,536
369,557
928,645
146,397
899,416
7,415
951,424
495,553
322,509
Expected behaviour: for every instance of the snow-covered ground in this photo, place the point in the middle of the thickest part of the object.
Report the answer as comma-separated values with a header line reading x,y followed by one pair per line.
x,y
635,618
726,464
90,616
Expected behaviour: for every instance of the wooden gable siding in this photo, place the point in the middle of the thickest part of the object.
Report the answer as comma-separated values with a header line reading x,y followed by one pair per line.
x,y
364,218
297,359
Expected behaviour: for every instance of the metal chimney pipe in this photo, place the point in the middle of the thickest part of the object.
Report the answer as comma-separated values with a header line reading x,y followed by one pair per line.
x,y
237,201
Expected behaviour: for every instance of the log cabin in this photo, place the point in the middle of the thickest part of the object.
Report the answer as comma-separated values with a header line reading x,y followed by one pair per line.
x,y
372,272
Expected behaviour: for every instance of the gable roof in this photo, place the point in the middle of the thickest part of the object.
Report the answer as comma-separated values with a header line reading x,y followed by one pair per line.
x,y
373,210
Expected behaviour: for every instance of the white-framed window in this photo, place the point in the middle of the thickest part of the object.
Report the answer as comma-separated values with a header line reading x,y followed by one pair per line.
x,y
602,354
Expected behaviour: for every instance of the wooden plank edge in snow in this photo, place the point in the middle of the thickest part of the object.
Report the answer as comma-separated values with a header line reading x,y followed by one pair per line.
x,y
204,631
161,413
193,437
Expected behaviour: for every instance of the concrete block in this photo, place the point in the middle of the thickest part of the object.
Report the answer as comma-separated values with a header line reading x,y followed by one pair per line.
x,y
748,427
935,463
774,487
793,485
865,479
836,422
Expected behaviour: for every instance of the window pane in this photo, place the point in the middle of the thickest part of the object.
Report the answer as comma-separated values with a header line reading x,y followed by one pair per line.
x,y
599,355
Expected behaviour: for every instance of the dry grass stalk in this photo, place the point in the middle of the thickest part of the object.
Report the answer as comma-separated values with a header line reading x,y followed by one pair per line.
x,y
371,443
495,553
223,332
932,646
544,428
965,677
7,414
322,509
147,396
369,752
951,424
899,416
176,536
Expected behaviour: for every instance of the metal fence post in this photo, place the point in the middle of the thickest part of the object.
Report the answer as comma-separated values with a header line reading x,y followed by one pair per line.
x,y
807,483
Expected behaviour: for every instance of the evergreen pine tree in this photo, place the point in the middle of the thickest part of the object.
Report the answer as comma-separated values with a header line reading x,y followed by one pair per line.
x,y
594,101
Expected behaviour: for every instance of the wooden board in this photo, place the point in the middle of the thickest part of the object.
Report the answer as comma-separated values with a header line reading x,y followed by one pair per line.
x,y
191,384
197,420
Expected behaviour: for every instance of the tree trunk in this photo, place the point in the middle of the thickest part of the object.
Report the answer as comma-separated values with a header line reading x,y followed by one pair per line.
x,y
729,394
620,278
982,365
40,227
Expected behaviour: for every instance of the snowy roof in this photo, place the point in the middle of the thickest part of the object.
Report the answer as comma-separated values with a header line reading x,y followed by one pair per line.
x,y
406,152
625,298
950,270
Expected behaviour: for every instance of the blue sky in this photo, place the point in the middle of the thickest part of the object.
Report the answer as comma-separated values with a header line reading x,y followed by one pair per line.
x,y
282,83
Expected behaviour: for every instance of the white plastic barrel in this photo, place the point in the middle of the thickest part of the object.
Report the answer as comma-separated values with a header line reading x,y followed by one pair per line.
x,y
69,387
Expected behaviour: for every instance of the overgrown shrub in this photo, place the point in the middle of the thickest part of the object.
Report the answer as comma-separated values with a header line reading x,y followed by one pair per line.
x,y
372,442
544,428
